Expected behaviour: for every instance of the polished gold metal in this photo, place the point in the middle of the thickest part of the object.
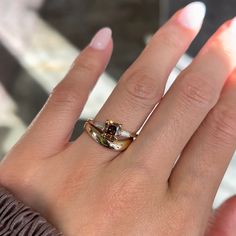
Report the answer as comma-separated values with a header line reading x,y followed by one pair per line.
x,y
109,134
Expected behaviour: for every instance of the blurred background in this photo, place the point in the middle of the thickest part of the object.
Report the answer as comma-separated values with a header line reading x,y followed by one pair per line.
x,y
39,39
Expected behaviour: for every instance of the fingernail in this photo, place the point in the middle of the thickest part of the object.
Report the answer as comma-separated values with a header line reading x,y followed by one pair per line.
x,y
101,39
233,25
192,15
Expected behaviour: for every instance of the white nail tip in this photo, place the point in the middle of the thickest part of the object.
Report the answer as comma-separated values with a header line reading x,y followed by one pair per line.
x,y
192,15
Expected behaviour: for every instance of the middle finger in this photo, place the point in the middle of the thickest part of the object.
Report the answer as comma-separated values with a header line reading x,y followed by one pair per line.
x,y
192,96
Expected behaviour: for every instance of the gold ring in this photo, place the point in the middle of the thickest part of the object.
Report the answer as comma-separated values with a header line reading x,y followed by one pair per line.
x,y
109,134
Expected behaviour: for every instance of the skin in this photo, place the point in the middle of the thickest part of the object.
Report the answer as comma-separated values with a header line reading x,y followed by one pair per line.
x,y
166,181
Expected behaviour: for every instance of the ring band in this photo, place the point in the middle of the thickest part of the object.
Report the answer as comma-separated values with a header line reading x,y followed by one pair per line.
x,y
109,134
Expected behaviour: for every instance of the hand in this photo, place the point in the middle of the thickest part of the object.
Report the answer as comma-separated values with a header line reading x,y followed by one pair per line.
x,y
166,181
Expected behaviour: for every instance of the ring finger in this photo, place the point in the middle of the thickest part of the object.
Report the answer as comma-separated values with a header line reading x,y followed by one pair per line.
x,y
142,85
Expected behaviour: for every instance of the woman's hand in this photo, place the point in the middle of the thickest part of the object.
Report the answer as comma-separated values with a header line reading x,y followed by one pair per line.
x,y
166,181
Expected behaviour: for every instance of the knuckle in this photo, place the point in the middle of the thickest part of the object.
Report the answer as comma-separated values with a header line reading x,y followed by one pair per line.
x,y
127,193
64,94
223,125
87,65
198,91
184,208
171,39
141,88
223,50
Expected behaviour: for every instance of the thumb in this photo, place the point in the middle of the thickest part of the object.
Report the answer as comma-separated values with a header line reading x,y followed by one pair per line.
x,y
223,220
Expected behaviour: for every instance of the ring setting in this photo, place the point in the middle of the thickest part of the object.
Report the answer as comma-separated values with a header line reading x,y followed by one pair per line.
x,y
109,134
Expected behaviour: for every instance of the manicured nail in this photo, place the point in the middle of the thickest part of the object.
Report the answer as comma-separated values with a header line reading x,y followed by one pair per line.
x,y
192,15
233,25
101,39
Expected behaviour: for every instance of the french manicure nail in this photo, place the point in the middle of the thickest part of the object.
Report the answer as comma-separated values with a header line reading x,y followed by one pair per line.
x,y
101,39
192,15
